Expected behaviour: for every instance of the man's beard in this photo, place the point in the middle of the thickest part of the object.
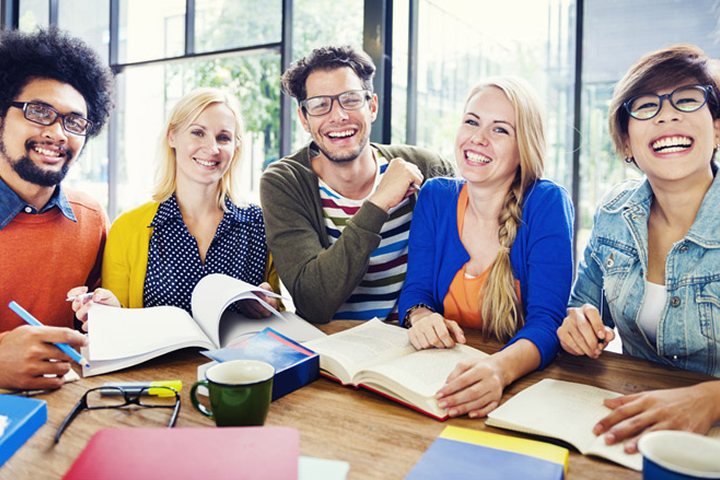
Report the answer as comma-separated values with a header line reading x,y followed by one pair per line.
x,y
349,157
28,171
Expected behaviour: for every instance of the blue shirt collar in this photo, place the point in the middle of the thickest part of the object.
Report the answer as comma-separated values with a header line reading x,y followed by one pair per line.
x,y
11,204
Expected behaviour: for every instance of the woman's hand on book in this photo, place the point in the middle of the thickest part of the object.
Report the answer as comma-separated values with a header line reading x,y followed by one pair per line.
x,y
82,301
583,332
430,329
475,387
693,409
253,309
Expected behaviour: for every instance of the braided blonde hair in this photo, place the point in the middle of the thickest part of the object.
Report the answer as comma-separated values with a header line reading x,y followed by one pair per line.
x,y
501,310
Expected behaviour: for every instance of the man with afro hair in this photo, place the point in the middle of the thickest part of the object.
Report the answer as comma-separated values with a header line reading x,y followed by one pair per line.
x,y
55,93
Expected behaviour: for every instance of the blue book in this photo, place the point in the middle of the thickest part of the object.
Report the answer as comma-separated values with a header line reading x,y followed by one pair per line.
x,y
461,453
295,365
20,417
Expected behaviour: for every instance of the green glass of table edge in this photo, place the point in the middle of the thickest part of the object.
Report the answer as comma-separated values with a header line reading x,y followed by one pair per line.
x,y
240,392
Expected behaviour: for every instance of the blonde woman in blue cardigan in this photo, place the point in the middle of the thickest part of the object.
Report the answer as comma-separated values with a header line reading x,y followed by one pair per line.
x,y
195,225
492,250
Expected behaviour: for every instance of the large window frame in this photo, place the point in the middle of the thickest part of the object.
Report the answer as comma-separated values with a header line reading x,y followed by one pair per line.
x,y
378,41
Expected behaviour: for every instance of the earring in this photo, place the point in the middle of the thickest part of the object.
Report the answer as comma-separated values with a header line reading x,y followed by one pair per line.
x,y
717,146
629,160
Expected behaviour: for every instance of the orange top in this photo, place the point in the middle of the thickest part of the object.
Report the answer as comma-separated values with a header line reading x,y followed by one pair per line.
x,y
462,302
44,256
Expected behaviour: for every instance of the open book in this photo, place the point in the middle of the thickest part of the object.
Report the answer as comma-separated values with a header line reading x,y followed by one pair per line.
x,y
379,357
566,411
123,337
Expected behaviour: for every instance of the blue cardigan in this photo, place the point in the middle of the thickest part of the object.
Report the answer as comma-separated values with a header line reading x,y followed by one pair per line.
x,y
541,256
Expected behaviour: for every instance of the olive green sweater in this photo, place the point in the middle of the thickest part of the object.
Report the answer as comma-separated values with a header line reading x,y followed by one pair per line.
x,y
320,277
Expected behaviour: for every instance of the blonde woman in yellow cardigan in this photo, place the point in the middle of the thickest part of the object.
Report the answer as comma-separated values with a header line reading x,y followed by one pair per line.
x,y
195,225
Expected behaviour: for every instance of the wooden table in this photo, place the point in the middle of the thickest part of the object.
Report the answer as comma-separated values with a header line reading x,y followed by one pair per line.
x,y
377,437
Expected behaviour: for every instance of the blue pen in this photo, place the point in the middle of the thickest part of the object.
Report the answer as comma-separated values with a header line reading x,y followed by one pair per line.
x,y
67,349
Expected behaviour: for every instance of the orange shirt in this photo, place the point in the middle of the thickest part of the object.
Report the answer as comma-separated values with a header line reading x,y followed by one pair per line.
x,y
462,302
43,256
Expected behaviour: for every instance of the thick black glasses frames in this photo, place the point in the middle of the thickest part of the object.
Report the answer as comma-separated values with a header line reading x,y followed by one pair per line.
x,y
115,397
687,99
322,104
46,115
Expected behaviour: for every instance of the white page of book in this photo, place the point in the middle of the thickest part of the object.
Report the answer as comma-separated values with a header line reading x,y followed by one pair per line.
x,y
368,343
567,411
214,293
424,371
127,332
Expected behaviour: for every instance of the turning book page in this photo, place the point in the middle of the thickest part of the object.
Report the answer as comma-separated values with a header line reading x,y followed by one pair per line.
x,y
351,350
235,328
214,293
564,410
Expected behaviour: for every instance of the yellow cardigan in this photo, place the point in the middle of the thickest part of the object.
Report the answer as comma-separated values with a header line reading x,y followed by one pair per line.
x,y
126,252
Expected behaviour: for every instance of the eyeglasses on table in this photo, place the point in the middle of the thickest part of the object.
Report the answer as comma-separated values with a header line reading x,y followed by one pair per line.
x,y
101,398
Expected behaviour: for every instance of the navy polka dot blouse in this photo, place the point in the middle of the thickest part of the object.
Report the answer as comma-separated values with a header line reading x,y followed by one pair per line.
x,y
174,266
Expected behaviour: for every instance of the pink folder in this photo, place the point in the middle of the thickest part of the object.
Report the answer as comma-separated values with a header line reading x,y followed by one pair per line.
x,y
189,453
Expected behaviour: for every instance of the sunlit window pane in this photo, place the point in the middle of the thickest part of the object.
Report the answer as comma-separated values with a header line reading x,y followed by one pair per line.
x,y
456,51
226,24
89,20
34,13
312,28
150,92
151,30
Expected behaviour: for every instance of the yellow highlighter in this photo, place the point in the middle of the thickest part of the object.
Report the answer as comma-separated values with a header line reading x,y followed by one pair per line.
x,y
134,388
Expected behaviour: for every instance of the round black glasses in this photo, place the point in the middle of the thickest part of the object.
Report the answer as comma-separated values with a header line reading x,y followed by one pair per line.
x,y
687,99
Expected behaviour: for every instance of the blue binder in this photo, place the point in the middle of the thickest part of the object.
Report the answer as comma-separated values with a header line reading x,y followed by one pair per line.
x,y
25,416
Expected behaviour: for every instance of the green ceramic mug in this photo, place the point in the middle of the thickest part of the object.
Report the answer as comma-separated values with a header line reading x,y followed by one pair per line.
x,y
240,392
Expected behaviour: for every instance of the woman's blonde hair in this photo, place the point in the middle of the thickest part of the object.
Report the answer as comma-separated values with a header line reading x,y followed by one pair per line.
x,y
500,307
183,114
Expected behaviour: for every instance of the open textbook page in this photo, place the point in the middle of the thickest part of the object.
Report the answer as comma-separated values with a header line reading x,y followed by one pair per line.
x,y
122,337
344,353
379,357
564,410
415,379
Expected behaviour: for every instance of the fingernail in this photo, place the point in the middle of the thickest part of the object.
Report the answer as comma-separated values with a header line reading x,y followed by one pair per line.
x,y
472,414
452,412
598,429
442,404
609,438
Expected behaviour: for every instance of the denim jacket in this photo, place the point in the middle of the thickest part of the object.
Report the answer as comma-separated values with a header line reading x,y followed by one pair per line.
x,y
616,258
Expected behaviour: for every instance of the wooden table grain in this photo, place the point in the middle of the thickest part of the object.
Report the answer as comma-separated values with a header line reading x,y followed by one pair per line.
x,y
380,439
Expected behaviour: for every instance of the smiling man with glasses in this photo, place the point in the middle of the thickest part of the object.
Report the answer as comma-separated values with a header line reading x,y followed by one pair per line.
x,y
338,211
55,93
